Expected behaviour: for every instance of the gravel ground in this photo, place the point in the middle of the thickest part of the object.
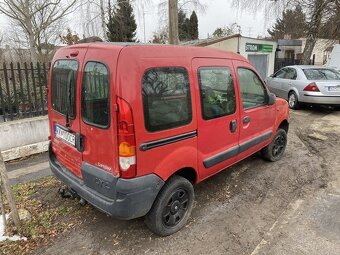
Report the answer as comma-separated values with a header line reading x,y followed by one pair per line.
x,y
288,207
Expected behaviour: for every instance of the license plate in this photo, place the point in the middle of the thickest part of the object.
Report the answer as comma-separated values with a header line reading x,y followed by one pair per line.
x,y
334,88
65,135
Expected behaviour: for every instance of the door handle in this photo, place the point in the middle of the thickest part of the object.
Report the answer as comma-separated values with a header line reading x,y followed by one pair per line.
x,y
233,126
246,120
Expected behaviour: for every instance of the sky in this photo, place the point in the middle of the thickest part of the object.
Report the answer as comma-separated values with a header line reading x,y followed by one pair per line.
x,y
218,13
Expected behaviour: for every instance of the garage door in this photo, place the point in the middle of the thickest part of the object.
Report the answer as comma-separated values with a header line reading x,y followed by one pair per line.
x,y
260,62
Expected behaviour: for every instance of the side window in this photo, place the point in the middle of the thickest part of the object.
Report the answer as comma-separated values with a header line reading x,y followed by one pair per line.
x,y
281,74
217,92
166,98
95,94
252,90
291,74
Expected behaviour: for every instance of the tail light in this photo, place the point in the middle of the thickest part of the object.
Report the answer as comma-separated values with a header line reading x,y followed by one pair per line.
x,y
126,140
312,87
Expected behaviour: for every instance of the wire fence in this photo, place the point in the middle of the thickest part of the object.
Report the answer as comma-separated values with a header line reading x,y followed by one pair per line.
x,y
23,90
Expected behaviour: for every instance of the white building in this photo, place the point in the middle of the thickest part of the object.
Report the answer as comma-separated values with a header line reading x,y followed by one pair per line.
x,y
261,53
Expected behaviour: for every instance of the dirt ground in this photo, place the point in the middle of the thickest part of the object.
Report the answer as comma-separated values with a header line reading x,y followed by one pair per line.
x,y
288,207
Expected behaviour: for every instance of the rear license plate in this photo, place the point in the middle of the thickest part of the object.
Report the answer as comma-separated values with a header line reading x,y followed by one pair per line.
x,y
334,88
65,135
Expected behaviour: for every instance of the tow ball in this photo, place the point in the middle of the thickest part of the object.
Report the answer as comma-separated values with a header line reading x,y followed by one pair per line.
x,y
65,192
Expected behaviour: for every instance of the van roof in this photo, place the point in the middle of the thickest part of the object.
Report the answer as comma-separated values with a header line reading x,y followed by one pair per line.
x,y
161,50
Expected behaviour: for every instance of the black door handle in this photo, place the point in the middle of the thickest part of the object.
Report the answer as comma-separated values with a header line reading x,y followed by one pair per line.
x,y
233,126
246,120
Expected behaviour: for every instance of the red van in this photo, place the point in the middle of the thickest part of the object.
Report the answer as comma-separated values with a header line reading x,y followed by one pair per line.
x,y
134,127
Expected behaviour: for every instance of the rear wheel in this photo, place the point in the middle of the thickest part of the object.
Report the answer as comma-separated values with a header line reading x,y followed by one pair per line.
x,y
274,151
172,207
293,101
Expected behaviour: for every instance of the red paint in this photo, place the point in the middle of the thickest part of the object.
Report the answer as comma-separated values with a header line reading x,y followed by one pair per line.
x,y
126,67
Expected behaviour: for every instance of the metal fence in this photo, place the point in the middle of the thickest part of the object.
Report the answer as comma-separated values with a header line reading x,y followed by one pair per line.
x,y
23,90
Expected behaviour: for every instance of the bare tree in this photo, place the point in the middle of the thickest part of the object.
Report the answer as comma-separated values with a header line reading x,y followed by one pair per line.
x,y
316,11
35,17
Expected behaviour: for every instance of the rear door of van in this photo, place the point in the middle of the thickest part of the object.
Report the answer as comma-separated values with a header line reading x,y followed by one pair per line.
x,y
64,110
98,110
218,114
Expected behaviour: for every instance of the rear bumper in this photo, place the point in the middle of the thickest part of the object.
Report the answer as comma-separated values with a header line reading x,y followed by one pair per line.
x,y
320,99
120,198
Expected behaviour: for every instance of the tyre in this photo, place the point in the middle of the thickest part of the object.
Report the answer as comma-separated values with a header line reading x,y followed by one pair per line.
x,y
172,207
293,101
274,151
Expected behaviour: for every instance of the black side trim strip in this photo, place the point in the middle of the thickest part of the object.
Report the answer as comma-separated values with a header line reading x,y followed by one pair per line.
x,y
166,141
214,160
255,141
221,157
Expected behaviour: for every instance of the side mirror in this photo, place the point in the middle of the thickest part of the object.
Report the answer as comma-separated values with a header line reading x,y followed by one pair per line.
x,y
271,99
271,76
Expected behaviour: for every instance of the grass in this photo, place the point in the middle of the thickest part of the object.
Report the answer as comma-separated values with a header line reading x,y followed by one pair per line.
x,y
50,215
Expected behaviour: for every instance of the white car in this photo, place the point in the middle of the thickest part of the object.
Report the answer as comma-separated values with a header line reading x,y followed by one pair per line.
x,y
306,84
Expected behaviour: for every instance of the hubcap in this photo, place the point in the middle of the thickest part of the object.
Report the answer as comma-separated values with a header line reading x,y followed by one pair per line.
x,y
176,207
279,145
292,100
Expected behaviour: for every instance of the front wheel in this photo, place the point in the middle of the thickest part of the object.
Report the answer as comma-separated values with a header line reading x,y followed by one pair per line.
x,y
274,151
172,207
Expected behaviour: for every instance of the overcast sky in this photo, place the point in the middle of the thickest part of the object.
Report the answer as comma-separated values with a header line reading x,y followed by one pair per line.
x,y
218,13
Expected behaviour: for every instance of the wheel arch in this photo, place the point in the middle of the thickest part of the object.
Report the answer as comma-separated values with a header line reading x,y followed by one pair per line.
x,y
293,89
284,125
188,173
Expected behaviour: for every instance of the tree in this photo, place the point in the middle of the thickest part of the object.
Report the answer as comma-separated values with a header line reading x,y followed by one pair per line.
x,y
292,22
35,17
122,24
161,36
316,13
183,26
193,28
225,31
331,28
69,38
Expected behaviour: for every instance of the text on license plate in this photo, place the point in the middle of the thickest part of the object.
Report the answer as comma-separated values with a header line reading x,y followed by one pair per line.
x,y
334,88
65,135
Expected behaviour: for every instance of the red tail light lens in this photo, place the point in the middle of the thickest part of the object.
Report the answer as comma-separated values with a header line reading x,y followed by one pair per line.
x,y
312,87
126,140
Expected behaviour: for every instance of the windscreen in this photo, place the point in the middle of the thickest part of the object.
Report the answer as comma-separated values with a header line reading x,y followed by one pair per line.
x,y
321,74
64,80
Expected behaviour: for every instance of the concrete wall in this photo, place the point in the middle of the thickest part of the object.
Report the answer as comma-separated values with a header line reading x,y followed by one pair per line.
x,y
25,137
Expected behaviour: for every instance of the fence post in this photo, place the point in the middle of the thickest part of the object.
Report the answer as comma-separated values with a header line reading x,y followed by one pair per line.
x,y
23,97
9,103
9,193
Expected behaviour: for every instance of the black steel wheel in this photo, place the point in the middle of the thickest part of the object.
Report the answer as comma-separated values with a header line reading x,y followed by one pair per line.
x,y
275,150
172,207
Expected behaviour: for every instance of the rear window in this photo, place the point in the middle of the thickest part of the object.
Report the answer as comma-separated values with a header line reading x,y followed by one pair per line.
x,y
64,80
321,74
166,98
95,95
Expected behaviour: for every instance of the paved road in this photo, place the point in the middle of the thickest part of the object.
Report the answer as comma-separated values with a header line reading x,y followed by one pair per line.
x,y
29,169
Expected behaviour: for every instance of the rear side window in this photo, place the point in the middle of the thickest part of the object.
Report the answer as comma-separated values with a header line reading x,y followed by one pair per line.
x,y
321,74
217,92
64,80
95,94
166,98
253,93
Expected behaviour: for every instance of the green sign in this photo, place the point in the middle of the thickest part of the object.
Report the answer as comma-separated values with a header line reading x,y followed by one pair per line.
x,y
253,47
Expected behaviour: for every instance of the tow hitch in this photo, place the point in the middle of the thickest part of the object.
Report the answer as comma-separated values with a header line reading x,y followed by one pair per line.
x,y
65,192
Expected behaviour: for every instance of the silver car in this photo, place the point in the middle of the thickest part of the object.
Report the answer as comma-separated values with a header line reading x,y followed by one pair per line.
x,y
306,84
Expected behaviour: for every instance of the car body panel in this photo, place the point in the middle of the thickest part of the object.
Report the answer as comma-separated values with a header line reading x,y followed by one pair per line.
x,y
282,87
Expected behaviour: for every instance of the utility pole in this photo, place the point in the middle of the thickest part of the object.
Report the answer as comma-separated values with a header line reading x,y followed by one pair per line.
x,y
9,193
173,22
